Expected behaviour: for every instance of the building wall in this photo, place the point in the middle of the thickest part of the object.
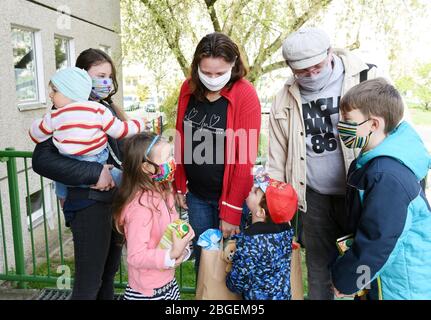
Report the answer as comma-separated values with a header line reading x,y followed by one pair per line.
x,y
101,29
84,35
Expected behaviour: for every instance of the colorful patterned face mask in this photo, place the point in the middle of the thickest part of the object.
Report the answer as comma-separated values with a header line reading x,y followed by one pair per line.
x,y
260,178
102,87
347,132
166,171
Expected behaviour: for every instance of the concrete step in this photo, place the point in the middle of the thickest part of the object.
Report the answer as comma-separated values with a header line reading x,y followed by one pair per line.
x,y
19,294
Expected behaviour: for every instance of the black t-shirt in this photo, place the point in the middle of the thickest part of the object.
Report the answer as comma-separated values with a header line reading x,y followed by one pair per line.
x,y
204,146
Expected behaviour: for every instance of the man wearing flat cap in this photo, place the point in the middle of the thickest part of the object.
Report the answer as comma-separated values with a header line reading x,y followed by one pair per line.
x,y
305,149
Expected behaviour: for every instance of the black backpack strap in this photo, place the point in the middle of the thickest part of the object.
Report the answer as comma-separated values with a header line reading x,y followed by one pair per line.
x,y
363,76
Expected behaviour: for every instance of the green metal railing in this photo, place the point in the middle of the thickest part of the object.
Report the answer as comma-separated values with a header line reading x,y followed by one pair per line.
x,y
27,269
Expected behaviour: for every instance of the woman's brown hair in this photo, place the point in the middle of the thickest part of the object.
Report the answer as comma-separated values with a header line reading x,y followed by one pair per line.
x,y
93,57
215,45
134,179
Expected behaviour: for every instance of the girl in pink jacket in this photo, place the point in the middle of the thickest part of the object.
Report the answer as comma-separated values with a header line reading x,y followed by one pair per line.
x,y
143,208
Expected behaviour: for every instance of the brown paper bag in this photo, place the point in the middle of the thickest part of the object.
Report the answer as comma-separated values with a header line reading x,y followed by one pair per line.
x,y
212,277
296,283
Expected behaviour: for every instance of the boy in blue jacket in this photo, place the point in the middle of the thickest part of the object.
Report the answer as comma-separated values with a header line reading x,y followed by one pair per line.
x,y
261,263
388,213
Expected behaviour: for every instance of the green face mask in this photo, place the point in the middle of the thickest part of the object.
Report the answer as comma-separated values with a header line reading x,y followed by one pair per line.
x,y
347,132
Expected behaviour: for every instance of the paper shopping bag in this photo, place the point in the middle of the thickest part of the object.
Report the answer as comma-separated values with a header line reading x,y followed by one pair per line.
x,y
212,277
296,283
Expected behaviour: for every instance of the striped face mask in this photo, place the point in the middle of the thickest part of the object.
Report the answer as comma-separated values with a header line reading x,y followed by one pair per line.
x,y
347,132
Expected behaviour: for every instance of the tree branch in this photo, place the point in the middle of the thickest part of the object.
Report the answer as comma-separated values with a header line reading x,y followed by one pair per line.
x,y
233,15
267,52
253,26
274,66
213,14
253,75
166,28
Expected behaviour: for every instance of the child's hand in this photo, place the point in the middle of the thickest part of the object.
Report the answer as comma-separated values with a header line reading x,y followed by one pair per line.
x,y
180,260
148,125
179,245
338,294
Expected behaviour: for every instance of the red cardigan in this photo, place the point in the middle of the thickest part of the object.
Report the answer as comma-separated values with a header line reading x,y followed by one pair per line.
x,y
243,113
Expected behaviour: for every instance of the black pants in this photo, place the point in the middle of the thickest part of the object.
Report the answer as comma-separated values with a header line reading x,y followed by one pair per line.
x,y
322,224
97,253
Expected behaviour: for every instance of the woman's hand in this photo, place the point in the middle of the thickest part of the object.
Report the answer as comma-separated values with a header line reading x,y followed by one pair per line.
x,y
228,229
179,244
105,181
180,200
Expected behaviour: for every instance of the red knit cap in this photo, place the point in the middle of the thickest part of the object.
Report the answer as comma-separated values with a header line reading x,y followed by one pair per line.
x,y
281,200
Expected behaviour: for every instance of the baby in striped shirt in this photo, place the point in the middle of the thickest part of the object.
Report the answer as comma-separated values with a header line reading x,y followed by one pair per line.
x,y
79,128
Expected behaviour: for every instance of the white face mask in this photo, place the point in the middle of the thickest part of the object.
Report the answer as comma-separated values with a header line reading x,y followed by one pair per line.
x,y
215,84
317,82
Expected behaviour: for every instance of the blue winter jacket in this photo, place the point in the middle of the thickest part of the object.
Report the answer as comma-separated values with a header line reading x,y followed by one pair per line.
x,y
261,263
390,218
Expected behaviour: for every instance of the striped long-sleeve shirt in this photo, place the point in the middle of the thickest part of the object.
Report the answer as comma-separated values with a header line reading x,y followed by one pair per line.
x,y
81,128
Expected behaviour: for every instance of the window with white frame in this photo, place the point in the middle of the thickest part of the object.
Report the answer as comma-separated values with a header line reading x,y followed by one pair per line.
x,y
63,55
36,203
27,59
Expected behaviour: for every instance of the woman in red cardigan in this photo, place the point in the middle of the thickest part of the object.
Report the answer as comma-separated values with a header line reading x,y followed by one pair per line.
x,y
218,125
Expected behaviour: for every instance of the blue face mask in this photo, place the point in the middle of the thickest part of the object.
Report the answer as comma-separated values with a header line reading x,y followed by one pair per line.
x,y
102,87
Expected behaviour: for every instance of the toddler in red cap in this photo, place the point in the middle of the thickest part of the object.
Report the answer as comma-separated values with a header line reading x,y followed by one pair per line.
x,y
261,263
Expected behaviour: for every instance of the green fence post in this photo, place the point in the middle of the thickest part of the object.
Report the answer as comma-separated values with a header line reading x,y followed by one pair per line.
x,y
18,242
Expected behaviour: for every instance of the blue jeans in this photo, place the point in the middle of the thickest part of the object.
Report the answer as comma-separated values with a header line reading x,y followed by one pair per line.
x,y
102,157
204,215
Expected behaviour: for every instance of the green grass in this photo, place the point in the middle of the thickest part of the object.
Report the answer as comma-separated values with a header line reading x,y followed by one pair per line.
x,y
187,277
304,272
420,116
42,270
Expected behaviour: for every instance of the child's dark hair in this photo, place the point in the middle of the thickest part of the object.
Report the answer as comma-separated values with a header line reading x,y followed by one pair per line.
x,y
264,206
375,97
134,180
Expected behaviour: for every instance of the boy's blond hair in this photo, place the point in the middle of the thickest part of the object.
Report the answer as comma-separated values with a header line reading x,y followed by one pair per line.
x,y
376,97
